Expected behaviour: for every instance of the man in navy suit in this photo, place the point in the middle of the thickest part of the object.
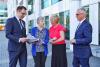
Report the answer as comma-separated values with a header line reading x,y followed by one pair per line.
x,y
81,42
16,34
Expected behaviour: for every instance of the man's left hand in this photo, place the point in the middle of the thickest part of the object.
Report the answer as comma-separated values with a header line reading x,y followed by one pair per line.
x,y
72,41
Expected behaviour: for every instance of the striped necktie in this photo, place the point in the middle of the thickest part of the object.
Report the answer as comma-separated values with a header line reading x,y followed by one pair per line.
x,y
21,24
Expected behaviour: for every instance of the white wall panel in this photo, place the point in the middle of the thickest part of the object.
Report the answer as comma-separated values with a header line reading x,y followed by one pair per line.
x,y
73,21
93,16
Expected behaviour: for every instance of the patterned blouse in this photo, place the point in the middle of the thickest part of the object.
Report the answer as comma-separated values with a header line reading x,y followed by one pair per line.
x,y
40,34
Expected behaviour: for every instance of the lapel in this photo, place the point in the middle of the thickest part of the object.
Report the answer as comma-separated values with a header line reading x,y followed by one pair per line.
x,y
17,23
81,25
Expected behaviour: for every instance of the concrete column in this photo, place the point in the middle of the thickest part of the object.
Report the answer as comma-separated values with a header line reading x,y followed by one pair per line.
x,y
94,20
25,3
37,9
11,5
74,5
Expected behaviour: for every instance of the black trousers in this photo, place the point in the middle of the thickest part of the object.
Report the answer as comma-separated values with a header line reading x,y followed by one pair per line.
x,y
39,59
59,58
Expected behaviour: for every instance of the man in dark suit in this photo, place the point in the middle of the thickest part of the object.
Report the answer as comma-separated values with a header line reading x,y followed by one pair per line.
x,y
16,33
81,42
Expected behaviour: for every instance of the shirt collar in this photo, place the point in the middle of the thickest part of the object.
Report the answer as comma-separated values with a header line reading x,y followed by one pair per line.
x,y
17,18
82,20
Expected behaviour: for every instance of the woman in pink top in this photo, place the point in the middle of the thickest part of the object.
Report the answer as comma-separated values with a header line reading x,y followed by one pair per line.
x,y
57,39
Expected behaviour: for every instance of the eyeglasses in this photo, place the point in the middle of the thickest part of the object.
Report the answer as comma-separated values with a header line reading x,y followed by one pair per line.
x,y
23,13
78,14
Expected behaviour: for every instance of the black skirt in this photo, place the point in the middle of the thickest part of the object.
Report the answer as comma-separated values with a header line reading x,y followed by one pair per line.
x,y
59,58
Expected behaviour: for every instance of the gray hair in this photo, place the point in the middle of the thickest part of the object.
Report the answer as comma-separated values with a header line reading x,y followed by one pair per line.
x,y
82,10
39,19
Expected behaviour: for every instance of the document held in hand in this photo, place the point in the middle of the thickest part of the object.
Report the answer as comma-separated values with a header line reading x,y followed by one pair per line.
x,y
31,39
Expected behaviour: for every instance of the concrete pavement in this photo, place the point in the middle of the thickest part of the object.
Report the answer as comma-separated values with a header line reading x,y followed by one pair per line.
x,y
4,60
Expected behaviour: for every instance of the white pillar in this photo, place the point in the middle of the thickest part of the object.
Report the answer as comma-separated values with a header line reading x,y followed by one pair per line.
x,y
85,2
37,9
25,3
74,5
93,16
11,7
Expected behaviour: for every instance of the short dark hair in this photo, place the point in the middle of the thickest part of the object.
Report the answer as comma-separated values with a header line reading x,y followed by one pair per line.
x,y
20,8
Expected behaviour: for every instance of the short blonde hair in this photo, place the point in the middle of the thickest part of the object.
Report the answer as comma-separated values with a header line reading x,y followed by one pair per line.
x,y
54,17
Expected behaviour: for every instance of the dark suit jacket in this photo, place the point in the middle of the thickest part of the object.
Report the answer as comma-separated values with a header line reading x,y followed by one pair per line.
x,y
83,38
13,33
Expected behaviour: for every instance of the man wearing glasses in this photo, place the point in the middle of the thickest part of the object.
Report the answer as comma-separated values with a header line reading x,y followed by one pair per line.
x,y
82,40
16,34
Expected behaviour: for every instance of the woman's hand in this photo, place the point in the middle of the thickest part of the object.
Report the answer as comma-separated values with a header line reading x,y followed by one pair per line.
x,y
52,41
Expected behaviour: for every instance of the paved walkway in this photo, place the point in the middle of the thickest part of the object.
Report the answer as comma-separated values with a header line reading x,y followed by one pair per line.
x,y
94,61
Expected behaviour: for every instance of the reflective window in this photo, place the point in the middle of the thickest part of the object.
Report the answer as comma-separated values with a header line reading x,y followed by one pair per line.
x,y
44,3
3,14
3,6
17,2
55,1
87,11
30,25
61,15
99,23
67,23
30,6
64,20
47,22
2,21
21,3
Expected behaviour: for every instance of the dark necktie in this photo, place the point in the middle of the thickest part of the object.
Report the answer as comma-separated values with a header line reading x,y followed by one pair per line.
x,y
23,30
21,24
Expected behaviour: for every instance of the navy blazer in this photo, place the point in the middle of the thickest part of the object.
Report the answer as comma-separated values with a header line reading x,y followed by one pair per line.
x,y
13,33
83,36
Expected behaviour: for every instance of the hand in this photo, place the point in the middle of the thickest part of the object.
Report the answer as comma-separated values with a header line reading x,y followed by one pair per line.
x,y
52,41
72,41
23,40
54,38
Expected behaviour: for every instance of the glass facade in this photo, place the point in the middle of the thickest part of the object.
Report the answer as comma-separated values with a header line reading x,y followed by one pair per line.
x,y
30,25
21,3
2,21
99,23
3,12
67,23
30,6
64,20
61,15
44,4
47,21
87,10
55,1
16,2
3,6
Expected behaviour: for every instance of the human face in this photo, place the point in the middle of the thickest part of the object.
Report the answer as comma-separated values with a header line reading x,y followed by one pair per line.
x,y
21,13
54,20
41,23
79,15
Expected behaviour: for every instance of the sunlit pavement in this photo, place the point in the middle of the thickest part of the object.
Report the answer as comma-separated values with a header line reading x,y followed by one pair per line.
x,y
94,61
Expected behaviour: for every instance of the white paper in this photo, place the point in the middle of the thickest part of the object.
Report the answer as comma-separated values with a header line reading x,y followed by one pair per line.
x,y
31,39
